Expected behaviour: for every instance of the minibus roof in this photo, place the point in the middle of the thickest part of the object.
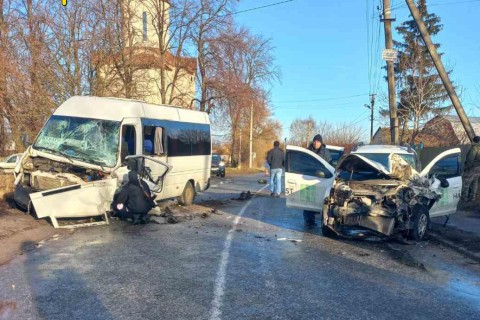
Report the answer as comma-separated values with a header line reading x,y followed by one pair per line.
x,y
117,109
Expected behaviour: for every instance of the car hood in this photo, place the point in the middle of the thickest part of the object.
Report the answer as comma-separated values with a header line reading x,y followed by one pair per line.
x,y
400,169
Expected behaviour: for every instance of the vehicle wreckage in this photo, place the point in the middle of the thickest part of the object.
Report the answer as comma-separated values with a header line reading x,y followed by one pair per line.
x,y
78,159
367,197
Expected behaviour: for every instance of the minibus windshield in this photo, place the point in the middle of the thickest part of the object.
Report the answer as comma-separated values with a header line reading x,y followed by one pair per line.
x,y
92,141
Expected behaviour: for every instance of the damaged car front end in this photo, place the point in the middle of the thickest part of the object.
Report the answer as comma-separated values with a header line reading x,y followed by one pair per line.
x,y
69,171
369,198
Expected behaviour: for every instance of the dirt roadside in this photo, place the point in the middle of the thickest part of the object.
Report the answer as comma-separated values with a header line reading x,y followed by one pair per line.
x,y
17,227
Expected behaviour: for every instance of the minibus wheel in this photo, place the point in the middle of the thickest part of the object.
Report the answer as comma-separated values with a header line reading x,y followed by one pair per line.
x,y
188,195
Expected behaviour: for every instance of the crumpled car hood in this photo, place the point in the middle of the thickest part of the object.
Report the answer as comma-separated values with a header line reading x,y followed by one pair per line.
x,y
356,162
400,169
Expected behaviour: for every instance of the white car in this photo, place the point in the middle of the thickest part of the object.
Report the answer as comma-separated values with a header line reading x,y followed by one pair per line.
x,y
8,164
377,190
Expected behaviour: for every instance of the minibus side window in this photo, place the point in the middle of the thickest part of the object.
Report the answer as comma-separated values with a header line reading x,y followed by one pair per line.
x,y
128,141
153,141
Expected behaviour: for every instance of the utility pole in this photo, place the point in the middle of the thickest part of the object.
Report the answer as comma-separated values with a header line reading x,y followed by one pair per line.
x,y
250,160
371,107
387,19
240,151
441,70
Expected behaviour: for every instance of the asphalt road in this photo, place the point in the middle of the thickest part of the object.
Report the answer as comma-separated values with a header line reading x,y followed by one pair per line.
x,y
252,260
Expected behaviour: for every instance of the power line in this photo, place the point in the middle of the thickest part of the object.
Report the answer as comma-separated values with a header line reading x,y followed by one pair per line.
x,y
399,6
348,105
325,99
258,8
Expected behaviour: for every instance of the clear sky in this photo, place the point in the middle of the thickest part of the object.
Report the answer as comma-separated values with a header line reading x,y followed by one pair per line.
x,y
329,53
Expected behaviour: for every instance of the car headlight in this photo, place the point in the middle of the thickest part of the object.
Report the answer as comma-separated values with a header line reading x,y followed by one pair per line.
x,y
221,164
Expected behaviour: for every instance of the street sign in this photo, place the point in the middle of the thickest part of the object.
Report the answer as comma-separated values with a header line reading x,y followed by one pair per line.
x,y
389,55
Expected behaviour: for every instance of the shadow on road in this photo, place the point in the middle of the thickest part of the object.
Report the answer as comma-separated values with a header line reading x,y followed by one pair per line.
x,y
59,293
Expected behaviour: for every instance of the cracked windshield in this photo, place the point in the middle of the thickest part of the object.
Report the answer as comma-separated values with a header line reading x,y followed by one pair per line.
x,y
88,140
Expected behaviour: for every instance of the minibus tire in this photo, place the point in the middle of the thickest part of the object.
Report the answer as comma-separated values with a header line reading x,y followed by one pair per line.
x,y
188,195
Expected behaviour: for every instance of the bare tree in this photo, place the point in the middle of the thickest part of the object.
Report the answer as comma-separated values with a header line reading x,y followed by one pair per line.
x,y
242,63
303,130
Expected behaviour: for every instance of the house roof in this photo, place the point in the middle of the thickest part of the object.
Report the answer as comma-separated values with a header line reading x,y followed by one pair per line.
x,y
460,130
146,58
382,135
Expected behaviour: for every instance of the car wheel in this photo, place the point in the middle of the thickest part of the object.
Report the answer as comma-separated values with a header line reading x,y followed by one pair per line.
x,y
222,174
420,223
326,231
188,195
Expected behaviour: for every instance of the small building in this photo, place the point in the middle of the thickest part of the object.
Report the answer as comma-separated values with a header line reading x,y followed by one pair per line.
x,y
382,136
144,66
446,131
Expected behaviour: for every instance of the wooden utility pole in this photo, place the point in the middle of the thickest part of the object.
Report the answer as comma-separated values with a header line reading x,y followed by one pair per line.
x,y
250,160
240,151
371,107
441,70
387,19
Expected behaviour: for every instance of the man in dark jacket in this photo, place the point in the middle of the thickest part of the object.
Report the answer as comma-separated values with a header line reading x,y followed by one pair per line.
x,y
135,199
319,148
471,171
276,161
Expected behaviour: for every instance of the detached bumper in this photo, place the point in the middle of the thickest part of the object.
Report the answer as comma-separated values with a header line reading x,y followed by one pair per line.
x,y
384,225
343,221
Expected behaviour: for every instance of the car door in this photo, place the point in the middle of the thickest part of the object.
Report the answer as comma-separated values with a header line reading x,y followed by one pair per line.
x,y
447,165
308,179
153,171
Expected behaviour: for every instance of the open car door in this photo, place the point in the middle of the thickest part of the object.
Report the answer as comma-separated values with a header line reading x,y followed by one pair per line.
x,y
308,179
448,166
152,171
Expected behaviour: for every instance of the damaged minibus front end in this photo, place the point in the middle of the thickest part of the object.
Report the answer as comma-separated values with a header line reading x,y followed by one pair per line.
x,y
69,171
368,198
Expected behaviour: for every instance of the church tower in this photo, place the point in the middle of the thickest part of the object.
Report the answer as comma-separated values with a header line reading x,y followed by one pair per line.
x,y
148,23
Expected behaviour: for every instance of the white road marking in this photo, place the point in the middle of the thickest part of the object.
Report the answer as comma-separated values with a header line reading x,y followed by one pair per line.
x,y
215,311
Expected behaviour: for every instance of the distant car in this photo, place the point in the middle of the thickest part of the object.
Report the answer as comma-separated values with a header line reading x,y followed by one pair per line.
x,y
218,165
9,163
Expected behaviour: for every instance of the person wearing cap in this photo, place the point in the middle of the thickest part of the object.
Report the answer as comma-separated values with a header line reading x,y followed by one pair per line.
x,y
471,172
317,146
276,161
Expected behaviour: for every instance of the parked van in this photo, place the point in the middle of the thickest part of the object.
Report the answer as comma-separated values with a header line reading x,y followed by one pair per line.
x,y
79,157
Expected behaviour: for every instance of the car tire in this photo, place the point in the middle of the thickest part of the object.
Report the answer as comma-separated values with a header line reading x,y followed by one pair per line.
x,y
222,174
188,195
326,231
420,223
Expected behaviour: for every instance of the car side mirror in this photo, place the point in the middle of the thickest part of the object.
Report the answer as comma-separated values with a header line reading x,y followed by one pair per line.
x,y
444,183
320,174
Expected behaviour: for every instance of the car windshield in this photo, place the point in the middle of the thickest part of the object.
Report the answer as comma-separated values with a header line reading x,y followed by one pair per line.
x,y
383,158
216,157
89,140
335,155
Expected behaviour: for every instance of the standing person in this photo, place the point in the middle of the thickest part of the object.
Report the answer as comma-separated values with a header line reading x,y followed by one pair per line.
x,y
317,146
471,172
276,161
